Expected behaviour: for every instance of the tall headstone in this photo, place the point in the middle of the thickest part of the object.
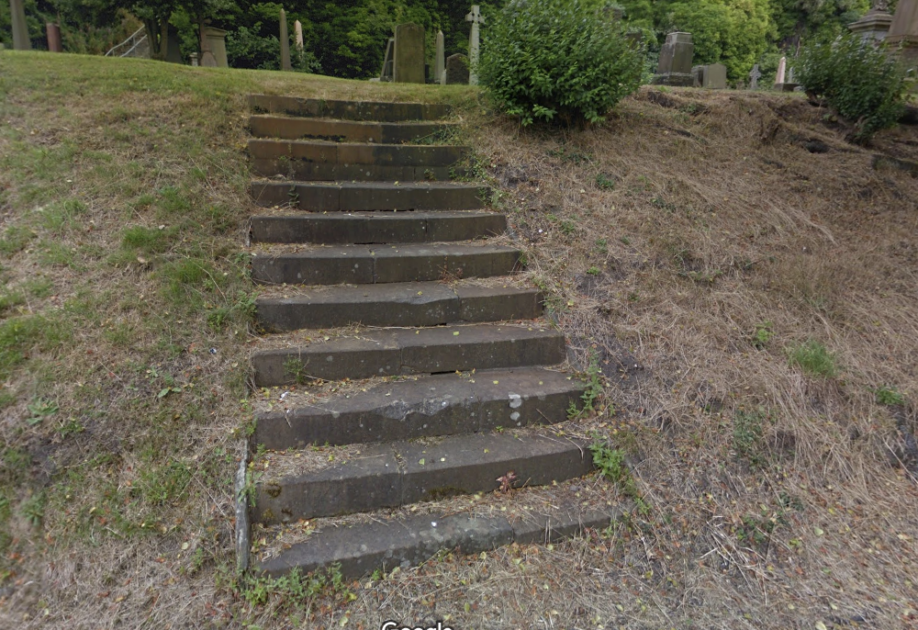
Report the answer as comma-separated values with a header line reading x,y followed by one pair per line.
x,y
21,39
457,70
874,26
754,77
675,67
782,66
904,29
216,40
54,37
284,42
408,64
440,61
298,35
386,74
474,42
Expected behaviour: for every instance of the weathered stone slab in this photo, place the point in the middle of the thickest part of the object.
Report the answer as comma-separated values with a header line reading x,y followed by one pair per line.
x,y
675,65
347,110
288,128
376,227
566,522
477,304
408,56
404,304
445,404
351,196
398,263
473,463
421,351
457,70
361,549
369,481
326,265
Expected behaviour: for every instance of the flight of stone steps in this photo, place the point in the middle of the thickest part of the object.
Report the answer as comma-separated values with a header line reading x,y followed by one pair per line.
x,y
379,276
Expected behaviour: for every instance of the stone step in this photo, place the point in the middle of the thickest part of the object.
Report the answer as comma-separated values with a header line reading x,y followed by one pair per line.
x,y
287,128
401,473
347,110
321,161
391,352
400,304
362,196
386,543
428,406
377,227
380,264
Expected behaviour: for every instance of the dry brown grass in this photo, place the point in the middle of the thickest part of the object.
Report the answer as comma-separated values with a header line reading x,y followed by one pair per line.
x,y
719,221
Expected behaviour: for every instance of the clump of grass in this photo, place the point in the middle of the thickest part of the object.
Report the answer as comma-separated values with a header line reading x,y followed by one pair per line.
x,y
813,358
888,396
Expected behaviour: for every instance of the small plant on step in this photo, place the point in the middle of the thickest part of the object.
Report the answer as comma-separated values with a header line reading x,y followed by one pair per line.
x,y
294,369
611,463
593,391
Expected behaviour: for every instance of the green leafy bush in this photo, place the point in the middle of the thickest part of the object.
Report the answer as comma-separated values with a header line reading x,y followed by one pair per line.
x,y
865,85
561,61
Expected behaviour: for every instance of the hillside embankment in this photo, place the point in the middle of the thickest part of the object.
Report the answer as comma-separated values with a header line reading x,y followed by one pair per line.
x,y
743,278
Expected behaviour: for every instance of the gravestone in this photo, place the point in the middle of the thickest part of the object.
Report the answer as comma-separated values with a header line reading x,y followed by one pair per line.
x,y
298,35
193,58
715,77
780,83
675,67
874,26
474,45
408,56
457,70
284,42
216,39
440,61
754,77
904,28
21,39
54,37
386,73
711,77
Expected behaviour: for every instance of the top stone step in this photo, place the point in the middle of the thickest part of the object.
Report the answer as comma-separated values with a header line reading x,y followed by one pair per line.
x,y
347,110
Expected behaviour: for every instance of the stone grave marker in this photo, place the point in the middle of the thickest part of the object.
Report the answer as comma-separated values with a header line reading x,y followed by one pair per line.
x,y
474,43
875,25
298,35
408,56
675,67
781,84
904,29
754,77
782,66
440,61
715,77
216,38
386,72
21,39
457,69
54,37
284,42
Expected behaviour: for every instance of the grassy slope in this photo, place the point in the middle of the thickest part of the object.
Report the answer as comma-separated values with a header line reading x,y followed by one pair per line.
x,y
665,240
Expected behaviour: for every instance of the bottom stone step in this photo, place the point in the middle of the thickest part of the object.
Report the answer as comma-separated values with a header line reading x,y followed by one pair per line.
x,y
361,549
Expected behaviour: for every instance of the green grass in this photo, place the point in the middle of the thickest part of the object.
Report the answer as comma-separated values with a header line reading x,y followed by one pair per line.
x,y
814,359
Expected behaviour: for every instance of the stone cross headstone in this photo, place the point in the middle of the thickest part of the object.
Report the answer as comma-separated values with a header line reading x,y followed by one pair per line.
x,y
754,77
386,74
408,57
782,65
284,42
54,37
298,35
21,39
474,43
440,61
675,66
457,70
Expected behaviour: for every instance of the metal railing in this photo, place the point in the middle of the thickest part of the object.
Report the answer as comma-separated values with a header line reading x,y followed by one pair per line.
x,y
129,45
